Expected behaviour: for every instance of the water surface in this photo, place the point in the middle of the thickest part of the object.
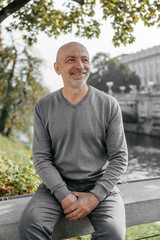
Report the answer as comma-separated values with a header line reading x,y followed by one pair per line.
x,y
144,156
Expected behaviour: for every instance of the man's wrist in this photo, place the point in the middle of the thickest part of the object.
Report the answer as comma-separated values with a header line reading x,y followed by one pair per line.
x,y
61,193
68,201
99,192
94,197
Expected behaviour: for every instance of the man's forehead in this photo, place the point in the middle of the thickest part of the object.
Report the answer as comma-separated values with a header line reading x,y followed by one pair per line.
x,y
72,49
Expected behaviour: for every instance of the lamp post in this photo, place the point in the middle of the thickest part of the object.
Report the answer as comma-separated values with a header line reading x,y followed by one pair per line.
x,y
122,89
150,86
109,85
133,90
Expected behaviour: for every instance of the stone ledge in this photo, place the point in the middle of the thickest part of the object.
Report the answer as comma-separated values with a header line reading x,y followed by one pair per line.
x,y
142,201
142,204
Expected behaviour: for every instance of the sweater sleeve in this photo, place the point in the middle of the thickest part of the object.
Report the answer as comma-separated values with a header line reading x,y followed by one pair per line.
x,y
43,159
117,152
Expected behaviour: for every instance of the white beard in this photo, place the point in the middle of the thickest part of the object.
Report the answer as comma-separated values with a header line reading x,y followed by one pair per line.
x,y
76,83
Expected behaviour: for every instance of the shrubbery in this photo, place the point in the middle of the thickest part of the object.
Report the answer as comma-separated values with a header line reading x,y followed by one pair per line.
x,y
17,178
87,237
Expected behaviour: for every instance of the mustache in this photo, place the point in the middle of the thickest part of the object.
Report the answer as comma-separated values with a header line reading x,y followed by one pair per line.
x,y
79,71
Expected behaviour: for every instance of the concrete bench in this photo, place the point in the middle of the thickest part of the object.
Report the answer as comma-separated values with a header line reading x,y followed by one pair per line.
x,y
142,204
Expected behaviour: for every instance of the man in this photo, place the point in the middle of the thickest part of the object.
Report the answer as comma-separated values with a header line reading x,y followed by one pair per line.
x,y
80,153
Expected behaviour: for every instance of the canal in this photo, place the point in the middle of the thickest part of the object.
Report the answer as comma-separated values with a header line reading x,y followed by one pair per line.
x,y
144,156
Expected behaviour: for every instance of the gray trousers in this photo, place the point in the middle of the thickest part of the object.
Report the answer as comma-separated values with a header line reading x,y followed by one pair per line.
x,y
44,211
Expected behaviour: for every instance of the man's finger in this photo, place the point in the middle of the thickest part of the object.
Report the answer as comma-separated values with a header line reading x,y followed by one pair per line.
x,y
80,215
70,209
74,213
76,194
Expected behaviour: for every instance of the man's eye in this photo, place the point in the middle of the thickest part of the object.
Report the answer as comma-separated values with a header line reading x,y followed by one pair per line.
x,y
85,60
70,60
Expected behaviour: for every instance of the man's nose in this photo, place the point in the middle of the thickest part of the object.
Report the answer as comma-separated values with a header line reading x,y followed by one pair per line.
x,y
79,64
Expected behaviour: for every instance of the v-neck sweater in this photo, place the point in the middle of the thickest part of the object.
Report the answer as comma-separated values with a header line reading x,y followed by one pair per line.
x,y
76,104
79,141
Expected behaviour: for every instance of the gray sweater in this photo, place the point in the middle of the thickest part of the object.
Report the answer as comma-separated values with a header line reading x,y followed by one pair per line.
x,y
79,141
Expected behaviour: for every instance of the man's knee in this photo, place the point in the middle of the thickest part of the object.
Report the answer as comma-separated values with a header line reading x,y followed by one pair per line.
x,y
38,220
32,224
109,230
109,219
27,222
114,231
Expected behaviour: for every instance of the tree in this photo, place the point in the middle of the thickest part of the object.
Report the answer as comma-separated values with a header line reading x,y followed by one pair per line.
x,y
99,62
20,88
15,5
111,70
41,15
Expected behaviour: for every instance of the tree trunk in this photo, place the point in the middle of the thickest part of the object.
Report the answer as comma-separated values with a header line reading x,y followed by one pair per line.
x,y
16,5
8,133
3,119
11,8
7,103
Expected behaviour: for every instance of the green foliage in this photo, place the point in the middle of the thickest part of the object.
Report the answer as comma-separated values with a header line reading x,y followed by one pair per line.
x,y
20,88
142,231
126,13
17,174
17,178
46,16
111,70
87,237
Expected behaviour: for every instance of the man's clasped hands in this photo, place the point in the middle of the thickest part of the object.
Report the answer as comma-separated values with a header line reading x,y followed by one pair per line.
x,y
78,205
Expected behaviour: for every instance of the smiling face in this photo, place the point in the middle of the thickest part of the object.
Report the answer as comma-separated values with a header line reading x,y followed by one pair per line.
x,y
73,65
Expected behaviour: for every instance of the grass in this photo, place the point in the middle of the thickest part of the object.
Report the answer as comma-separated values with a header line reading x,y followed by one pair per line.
x,y
15,150
143,231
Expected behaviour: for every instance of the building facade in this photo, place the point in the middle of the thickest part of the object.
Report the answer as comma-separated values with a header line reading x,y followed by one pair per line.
x,y
146,64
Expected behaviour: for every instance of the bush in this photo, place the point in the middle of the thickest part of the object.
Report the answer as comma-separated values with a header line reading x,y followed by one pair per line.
x,y
87,237
17,178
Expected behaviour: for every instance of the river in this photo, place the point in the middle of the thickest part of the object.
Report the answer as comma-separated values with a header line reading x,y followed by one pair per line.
x,y
144,156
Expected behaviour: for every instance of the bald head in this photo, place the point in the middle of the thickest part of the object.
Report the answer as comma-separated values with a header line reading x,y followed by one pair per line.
x,y
70,45
73,64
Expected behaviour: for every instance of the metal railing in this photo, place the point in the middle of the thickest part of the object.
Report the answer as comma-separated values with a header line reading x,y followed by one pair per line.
x,y
139,180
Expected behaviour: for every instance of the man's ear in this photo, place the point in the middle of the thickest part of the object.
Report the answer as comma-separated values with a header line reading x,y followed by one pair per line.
x,y
56,68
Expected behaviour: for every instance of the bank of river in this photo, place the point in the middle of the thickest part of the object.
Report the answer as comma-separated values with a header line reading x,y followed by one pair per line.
x,y
144,156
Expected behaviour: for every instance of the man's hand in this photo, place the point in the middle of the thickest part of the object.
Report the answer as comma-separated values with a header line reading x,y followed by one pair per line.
x,y
82,207
68,201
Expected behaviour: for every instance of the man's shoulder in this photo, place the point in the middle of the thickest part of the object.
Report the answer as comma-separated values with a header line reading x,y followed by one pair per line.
x,y
48,98
102,96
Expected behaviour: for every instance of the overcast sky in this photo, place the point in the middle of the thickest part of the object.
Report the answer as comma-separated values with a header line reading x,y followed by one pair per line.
x,y
47,47
145,38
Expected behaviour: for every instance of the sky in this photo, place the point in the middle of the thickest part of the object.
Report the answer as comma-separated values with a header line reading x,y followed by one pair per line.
x,y
145,38
48,47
